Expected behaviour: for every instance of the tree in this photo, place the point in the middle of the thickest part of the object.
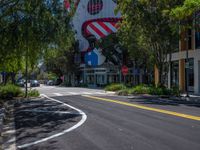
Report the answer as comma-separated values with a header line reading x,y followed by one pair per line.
x,y
28,29
187,9
61,61
145,29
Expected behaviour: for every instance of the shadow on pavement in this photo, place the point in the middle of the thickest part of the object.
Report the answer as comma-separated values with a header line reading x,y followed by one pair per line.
x,y
35,120
160,101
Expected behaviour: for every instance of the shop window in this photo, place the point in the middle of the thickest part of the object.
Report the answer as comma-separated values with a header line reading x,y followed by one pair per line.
x,y
175,74
197,40
190,75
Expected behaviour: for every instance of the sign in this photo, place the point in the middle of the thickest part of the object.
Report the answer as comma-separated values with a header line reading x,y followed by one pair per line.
x,y
124,70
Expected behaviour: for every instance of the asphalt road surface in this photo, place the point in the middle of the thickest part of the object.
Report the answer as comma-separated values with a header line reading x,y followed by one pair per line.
x,y
94,120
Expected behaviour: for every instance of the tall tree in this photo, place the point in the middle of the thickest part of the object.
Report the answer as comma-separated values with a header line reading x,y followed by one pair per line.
x,y
28,28
146,29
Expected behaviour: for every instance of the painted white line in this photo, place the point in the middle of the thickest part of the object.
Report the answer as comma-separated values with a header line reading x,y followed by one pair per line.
x,y
100,93
73,93
86,93
83,119
58,94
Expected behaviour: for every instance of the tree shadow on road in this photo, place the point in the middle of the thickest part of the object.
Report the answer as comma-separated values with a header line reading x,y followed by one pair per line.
x,y
160,101
37,120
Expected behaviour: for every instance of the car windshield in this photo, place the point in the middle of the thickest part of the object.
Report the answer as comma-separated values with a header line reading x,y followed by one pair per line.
x,y
34,81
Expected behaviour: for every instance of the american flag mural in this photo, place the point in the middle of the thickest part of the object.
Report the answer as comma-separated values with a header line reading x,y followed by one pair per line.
x,y
100,28
97,19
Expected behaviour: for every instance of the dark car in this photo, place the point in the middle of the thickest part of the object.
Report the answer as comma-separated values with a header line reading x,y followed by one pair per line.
x,y
58,81
21,83
34,83
50,82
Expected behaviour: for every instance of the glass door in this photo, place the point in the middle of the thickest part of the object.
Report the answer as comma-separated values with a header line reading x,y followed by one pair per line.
x,y
190,76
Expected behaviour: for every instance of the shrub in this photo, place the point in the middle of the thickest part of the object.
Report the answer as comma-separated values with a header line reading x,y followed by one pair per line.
x,y
33,93
176,91
9,91
115,87
124,92
140,89
144,89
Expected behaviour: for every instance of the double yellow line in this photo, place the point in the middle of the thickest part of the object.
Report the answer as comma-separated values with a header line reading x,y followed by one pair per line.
x,y
197,118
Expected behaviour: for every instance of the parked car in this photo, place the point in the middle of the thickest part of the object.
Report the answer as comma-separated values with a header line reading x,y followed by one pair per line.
x,y
50,82
21,83
58,82
34,83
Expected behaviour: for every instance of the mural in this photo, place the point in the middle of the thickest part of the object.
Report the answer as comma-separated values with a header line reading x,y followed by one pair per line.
x,y
93,20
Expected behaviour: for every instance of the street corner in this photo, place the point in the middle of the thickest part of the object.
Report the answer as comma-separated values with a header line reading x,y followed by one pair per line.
x,y
38,121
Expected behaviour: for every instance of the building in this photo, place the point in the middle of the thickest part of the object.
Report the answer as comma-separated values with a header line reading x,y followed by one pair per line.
x,y
186,74
93,21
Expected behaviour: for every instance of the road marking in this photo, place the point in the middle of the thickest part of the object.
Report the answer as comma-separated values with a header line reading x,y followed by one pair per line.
x,y
100,93
73,93
83,119
58,94
197,118
86,93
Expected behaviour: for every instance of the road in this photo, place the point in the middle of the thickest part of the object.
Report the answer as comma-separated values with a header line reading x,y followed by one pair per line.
x,y
103,121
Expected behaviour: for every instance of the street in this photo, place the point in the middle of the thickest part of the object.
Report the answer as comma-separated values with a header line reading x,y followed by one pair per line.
x,y
90,119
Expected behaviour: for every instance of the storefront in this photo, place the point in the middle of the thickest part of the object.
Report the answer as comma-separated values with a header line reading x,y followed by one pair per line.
x,y
98,77
184,75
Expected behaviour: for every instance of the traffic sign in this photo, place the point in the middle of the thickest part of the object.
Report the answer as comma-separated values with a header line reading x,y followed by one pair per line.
x,y
124,70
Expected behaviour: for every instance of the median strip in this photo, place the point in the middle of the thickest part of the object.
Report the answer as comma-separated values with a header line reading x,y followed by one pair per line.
x,y
197,118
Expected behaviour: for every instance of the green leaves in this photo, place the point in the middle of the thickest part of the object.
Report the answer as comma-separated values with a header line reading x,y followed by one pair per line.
x,y
31,27
188,8
147,31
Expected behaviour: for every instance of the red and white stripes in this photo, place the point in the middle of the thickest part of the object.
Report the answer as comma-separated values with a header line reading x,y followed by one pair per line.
x,y
100,28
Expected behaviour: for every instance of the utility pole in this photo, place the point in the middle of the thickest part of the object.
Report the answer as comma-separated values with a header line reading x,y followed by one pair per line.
x,y
26,59
26,72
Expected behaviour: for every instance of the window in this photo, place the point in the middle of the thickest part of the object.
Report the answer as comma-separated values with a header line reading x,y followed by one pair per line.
x,y
175,74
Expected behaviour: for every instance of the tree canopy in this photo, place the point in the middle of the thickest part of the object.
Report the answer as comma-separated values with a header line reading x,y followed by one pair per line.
x,y
29,29
147,31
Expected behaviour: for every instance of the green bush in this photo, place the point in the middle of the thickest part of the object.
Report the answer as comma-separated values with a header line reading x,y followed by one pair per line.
x,y
124,92
160,91
144,89
115,87
176,91
9,91
33,93
140,89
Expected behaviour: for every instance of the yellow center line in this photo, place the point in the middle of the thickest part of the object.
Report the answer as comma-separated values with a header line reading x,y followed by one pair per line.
x,y
197,118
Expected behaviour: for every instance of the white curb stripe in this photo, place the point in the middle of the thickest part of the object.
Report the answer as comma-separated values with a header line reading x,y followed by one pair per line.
x,y
84,118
